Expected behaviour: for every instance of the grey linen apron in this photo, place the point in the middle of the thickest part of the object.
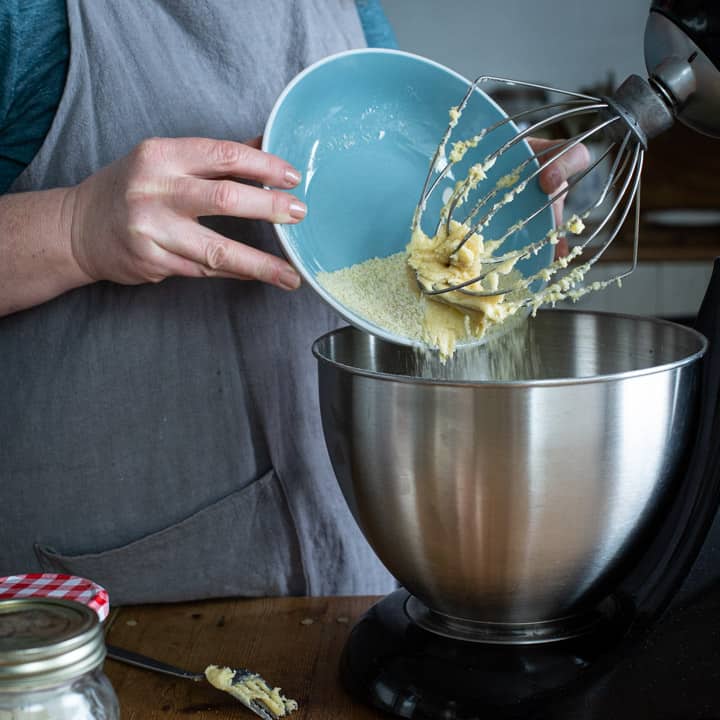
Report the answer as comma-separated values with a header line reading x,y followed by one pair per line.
x,y
164,440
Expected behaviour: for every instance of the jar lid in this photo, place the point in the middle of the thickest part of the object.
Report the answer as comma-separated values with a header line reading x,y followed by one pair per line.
x,y
57,585
46,642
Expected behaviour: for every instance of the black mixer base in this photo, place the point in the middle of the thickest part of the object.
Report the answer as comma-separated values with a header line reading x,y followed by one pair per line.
x,y
395,665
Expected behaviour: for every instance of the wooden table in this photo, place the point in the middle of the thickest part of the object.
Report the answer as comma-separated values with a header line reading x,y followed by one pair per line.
x,y
292,642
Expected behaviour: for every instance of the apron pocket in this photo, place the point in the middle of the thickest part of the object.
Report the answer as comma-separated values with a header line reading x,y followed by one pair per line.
x,y
242,545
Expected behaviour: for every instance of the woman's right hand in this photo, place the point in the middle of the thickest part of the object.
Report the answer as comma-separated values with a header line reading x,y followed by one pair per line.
x,y
136,220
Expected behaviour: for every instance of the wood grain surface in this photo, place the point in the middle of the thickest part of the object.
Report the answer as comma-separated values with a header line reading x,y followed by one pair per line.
x,y
294,643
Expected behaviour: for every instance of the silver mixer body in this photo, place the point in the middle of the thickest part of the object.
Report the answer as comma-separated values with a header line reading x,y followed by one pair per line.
x,y
668,39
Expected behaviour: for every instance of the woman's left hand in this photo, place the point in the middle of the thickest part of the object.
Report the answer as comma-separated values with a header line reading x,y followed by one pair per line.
x,y
555,176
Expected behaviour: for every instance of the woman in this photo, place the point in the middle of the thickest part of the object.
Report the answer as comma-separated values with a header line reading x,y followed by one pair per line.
x,y
163,438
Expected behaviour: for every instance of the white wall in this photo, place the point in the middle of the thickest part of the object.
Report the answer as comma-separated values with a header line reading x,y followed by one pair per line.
x,y
665,289
571,43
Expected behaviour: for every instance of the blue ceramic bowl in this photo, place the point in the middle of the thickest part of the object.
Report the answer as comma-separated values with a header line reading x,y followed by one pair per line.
x,y
362,126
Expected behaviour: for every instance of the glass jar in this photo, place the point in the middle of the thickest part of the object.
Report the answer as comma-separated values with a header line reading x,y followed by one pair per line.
x,y
51,656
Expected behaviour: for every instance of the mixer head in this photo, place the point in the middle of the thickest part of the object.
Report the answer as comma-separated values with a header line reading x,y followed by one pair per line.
x,y
683,83
688,30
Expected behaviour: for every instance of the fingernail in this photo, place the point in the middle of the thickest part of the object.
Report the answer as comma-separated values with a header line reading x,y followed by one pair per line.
x,y
292,176
289,279
298,210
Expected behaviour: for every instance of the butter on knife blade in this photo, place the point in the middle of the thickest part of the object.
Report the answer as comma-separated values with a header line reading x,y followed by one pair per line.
x,y
251,690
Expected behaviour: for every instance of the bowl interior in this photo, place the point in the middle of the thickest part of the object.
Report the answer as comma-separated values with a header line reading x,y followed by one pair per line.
x,y
362,127
557,345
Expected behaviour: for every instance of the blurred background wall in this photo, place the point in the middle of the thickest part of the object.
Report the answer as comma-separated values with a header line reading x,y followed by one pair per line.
x,y
571,43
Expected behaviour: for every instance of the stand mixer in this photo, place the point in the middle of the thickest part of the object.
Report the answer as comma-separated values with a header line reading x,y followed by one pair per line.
x,y
539,527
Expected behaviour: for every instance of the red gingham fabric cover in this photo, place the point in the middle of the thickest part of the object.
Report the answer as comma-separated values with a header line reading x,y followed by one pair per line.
x,y
53,585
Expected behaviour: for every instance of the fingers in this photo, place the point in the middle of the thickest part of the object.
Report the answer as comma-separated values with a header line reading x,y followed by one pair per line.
x,y
552,183
572,162
554,177
216,256
187,177
208,158
561,249
558,206
195,197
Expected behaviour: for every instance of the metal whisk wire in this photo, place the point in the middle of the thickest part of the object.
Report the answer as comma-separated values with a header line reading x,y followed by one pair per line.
x,y
625,172
623,167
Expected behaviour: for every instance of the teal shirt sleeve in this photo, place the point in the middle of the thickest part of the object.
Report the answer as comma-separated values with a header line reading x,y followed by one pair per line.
x,y
34,56
377,28
34,52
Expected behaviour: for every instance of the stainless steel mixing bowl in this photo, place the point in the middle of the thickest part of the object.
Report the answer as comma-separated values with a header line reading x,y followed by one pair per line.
x,y
511,499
